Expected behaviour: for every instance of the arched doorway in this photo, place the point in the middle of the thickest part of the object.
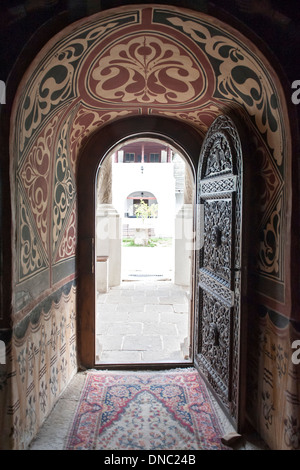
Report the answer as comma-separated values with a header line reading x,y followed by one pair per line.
x,y
181,136
144,250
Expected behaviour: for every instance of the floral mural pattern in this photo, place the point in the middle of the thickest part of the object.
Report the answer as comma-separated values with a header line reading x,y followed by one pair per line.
x,y
273,393
190,69
140,60
42,362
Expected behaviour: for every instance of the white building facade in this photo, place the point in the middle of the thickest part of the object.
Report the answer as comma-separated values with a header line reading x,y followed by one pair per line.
x,y
150,171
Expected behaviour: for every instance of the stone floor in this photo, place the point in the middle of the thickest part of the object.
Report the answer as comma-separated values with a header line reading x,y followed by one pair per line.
x,y
143,321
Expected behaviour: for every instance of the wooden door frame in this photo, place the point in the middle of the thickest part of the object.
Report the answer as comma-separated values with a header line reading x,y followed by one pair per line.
x,y
178,134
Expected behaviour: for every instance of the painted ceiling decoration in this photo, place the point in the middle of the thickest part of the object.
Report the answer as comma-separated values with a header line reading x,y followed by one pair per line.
x,y
128,61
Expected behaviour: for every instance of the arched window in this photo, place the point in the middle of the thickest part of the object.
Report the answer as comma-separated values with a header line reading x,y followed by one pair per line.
x,y
135,198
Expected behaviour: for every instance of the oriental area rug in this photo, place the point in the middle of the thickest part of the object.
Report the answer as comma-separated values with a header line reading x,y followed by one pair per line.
x,y
159,410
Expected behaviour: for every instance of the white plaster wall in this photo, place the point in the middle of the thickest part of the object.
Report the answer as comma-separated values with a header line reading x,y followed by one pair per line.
x,y
157,178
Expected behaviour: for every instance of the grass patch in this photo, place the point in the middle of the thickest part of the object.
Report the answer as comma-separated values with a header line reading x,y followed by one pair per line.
x,y
152,242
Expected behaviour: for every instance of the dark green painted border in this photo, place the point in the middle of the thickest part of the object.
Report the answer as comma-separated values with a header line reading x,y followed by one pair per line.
x,y
33,317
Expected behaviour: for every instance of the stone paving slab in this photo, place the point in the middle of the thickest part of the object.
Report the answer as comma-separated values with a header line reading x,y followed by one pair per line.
x,y
144,317
161,356
106,307
121,357
122,328
130,307
158,308
180,308
107,316
160,329
142,343
111,343
170,300
142,321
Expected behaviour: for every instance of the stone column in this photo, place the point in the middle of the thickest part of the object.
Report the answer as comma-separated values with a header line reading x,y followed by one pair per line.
x,y
108,231
188,186
184,234
184,245
104,183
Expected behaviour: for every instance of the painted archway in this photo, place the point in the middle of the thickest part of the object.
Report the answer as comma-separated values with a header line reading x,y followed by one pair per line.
x,y
183,140
133,61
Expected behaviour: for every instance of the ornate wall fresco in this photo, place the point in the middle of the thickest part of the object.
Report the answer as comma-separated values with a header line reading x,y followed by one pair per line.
x,y
118,63
147,61
274,379
40,362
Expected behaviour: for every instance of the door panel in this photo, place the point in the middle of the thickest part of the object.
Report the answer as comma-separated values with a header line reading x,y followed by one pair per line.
x,y
218,263
217,237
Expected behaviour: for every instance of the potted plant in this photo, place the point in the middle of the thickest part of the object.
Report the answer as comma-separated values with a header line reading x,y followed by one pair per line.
x,y
144,212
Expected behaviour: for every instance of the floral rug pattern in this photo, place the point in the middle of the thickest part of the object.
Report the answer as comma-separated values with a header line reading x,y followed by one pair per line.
x,y
145,411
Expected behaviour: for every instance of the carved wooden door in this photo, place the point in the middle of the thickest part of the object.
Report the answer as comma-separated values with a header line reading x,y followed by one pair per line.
x,y
218,264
